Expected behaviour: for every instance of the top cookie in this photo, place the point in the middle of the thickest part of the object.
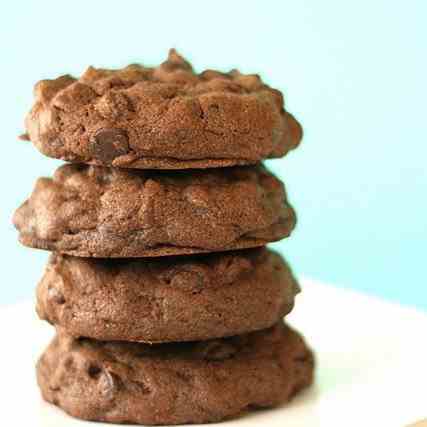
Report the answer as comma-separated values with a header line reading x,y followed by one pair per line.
x,y
167,117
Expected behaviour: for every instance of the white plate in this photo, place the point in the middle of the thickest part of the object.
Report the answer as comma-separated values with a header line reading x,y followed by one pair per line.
x,y
371,357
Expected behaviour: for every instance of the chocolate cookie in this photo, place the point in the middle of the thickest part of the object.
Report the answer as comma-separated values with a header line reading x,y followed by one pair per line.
x,y
167,117
168,299
110,212
194,382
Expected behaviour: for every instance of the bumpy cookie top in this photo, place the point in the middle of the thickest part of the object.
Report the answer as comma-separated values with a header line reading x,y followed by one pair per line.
x,y
191,275
109,212
176,383
165,117
166,299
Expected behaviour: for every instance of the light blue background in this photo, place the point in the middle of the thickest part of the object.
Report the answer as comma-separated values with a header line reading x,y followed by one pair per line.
x,y
354,73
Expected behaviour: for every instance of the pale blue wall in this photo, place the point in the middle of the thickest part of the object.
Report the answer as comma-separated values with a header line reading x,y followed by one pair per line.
x,y
354,73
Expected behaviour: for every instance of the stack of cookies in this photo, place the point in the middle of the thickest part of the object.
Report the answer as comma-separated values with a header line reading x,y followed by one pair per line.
x,y
167,305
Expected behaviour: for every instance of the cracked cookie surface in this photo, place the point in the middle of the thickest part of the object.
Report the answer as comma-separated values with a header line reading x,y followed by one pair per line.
x,y
167,117
169,299
94,211
194,382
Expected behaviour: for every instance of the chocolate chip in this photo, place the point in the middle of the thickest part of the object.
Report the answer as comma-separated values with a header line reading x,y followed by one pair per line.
x,y
94,371
109,143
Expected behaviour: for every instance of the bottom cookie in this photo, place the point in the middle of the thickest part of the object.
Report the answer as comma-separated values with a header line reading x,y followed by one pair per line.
x,y
177,383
